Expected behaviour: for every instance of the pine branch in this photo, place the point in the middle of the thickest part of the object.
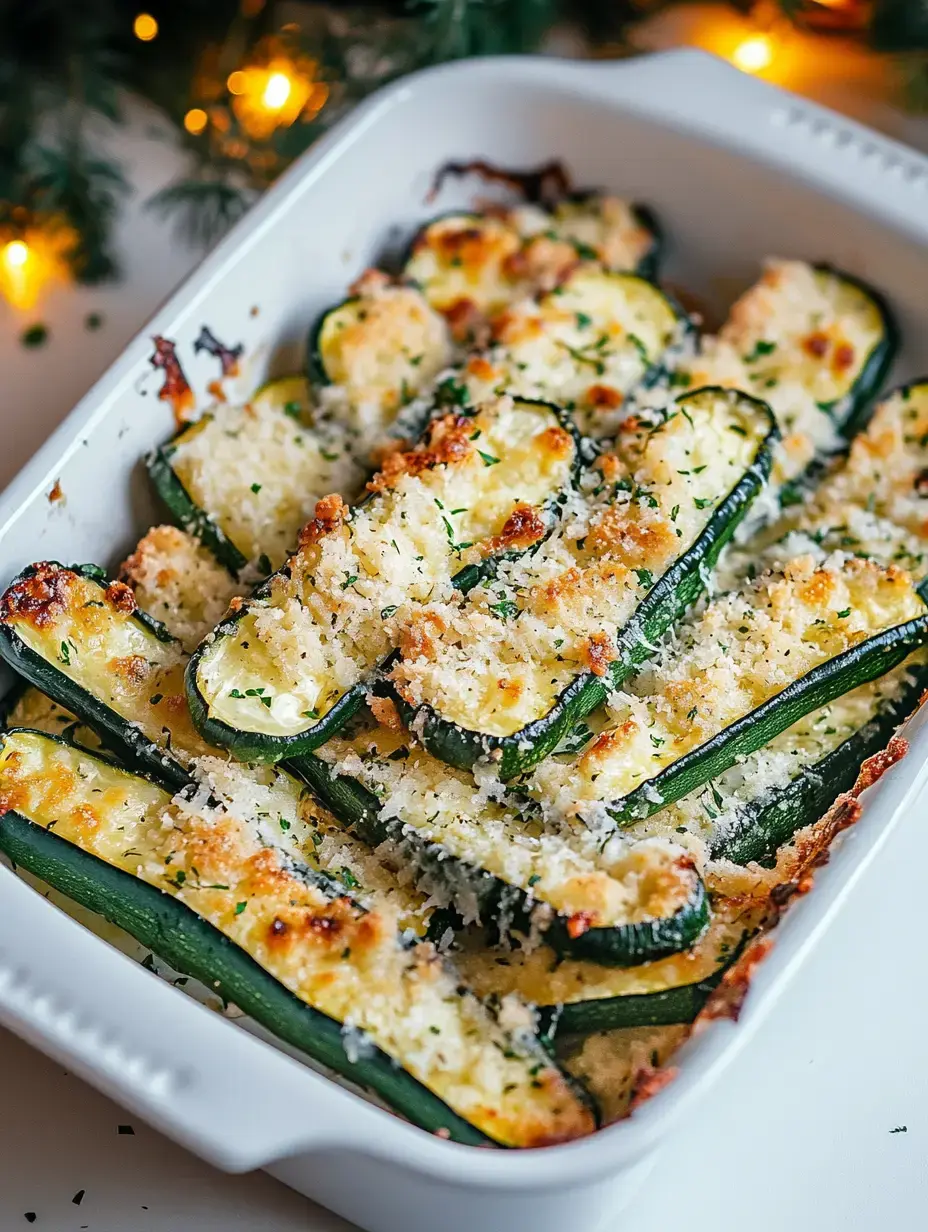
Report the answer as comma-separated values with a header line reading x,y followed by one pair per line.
x,y
202,208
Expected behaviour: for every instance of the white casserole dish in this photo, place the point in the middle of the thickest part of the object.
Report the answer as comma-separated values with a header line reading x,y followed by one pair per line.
x,y
736,170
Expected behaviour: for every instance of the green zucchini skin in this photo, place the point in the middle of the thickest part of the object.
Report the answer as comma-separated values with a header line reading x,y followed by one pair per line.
x,y
762,828
622,946
195,948
860,664
673,593
259,747
668,1008
187,512
112,728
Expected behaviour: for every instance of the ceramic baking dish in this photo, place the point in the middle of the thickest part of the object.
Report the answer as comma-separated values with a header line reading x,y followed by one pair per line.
x,y
736,170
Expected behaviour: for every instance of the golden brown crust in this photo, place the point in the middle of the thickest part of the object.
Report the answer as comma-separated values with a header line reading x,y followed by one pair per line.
x,y
40,598
330,513
447,442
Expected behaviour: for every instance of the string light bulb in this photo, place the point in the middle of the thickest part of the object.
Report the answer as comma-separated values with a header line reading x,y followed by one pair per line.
x,y
753,54
145,27
15,254
195,120
277,91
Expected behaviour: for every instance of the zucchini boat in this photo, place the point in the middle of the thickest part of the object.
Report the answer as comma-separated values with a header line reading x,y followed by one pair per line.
x,y
383,346
244,479
619,904
816,344
808,767
286,945
751,666
472,265
509,670
573,996
86,645
291,666
587,345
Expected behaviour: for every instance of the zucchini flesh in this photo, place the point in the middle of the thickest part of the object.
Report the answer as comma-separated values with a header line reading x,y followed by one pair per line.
x,y
178,582
573,996
286,946
126,681
244,479
587,346
382,346
813,342
619,903
291,666
509,670
752,665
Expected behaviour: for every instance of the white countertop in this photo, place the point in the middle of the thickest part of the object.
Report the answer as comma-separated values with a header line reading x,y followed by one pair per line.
x,y
798,1133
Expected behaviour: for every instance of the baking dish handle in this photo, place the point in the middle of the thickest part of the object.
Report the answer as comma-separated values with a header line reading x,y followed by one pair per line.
x,y
239,1105
692,90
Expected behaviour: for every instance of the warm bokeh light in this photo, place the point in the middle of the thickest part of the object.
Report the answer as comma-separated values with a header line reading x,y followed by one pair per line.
x,y
277,91
753,54
145,27
15,254
195,120
275,94
32,259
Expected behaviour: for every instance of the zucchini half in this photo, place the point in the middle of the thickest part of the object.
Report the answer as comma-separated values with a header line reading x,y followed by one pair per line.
x,y
757,829
529,653
291,666
124,678
282,943
484,262
384,346
86,644
753,664
587,345
626,904
244,479
574,996
817,345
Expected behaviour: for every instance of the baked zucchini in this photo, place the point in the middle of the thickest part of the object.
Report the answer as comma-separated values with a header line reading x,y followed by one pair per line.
x,y
124,677
509,670
244,479
816,344
808,767
383,346
291,666
587,345
754,663
620,903
573,996
471,266
178,582
286,945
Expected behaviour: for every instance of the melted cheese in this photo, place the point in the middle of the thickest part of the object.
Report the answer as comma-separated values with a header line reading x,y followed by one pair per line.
x,y
509,648
356,589
259,469
745,649
467,259
800,339
345,962
383,347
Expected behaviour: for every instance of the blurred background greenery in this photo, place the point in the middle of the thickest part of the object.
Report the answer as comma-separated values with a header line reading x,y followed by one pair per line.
x,y
246,85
